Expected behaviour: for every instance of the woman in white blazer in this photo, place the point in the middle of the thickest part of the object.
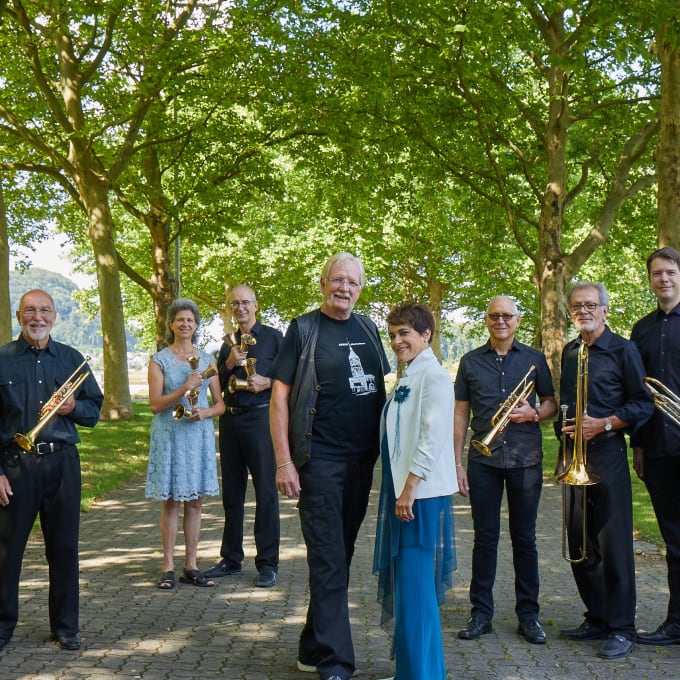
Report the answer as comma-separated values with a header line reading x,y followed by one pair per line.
x,y
415,553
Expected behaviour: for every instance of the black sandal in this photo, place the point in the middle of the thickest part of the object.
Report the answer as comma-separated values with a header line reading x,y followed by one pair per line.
x,y
167,581
195,578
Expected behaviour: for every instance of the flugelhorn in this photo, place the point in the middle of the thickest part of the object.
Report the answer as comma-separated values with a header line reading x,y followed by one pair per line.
x,y
501,418
238,384
576,472
664,399
180,410
68,389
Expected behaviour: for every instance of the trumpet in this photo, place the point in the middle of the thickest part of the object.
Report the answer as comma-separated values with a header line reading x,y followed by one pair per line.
x,y
237,384
49,410
246,341
180,410
664,399
575,471
501,418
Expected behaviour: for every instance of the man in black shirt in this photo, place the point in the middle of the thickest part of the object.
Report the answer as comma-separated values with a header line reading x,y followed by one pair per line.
x,y
617,402
245,442
487,376
46,479
656,447
325,411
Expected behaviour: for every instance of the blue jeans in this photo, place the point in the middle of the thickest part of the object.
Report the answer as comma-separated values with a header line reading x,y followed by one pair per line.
x,y
523,487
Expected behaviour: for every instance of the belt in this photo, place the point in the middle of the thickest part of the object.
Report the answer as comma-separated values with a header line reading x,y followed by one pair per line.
x,y
39,448
236,410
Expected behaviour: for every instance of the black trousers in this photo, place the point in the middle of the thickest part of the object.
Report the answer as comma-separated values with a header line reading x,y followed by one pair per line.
x,y
332,506
246,445
606,579
662,478
47,485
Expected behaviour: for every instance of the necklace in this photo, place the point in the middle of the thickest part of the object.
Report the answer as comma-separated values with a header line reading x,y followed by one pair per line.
x,y
183,355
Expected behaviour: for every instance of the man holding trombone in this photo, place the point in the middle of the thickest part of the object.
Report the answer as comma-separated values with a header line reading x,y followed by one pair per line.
x,y
599,517
656,447
506,452
45,390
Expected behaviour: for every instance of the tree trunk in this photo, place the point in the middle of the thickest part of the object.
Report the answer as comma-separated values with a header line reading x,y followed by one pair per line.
x,y
435,294
668,151
6,318
117,401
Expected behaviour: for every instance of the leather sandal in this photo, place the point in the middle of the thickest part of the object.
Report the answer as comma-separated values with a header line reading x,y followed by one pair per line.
x,y
167,580
194,578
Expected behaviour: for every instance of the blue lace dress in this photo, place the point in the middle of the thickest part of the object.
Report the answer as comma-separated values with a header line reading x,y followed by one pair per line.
x,y
182,453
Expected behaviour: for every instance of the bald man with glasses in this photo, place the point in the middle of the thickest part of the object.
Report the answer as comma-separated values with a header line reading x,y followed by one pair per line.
x,y
245,443
487,377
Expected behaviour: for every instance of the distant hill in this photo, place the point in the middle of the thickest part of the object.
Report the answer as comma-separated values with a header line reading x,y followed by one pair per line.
x,y
71,326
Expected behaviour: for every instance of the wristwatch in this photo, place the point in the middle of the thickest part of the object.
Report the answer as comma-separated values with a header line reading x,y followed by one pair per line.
x,y
536,415
607,425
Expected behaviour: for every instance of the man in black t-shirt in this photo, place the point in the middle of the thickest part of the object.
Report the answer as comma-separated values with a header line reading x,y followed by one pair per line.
x,y
325,409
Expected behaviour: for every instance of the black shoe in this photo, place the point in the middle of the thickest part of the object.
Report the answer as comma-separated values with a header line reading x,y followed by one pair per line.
x,y
532,631
267,578
222,568
474,629
617,647
586,631
666,634
69,642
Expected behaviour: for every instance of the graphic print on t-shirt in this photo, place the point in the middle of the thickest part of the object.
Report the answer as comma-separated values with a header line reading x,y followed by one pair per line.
x,y
359,382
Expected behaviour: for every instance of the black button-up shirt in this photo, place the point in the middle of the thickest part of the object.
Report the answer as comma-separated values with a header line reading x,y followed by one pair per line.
x,y
615,380
657,336
486,380
29,377
269,341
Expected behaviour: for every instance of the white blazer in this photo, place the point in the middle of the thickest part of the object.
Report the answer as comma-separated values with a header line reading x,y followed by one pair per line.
x,y
425,442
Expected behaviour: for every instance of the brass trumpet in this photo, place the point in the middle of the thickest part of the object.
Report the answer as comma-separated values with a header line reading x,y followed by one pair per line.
x,y
49,410
575,471
180,410
664,399
246,341
238,384
501,418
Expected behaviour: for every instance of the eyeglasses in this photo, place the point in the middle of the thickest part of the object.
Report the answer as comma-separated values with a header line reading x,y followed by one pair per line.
x,y
337,282
32,311
235,304
587,306
497,317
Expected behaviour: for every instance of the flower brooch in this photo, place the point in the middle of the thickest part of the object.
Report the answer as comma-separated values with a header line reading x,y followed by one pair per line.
x,y
401,393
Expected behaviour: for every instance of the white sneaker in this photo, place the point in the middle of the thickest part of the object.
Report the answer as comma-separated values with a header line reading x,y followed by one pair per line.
x,y
305,668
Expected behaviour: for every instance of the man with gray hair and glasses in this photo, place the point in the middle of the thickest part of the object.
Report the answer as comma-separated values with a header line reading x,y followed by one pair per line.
x,y
612,400
490,376
328,394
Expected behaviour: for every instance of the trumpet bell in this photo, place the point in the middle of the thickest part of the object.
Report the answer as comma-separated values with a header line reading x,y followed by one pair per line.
x,y
481,446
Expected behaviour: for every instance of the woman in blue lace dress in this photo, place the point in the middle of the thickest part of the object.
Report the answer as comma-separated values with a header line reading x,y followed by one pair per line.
x,y
415,552
182,453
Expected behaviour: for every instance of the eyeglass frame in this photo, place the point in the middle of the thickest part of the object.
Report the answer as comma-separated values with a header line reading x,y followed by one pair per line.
x,y
235,304
31,311
495,317
338,281
585,307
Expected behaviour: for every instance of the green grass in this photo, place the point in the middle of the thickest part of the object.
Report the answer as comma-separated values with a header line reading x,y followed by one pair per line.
x,y
113,452
644,520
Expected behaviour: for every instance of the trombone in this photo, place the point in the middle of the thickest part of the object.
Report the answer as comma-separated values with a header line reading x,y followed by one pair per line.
x,y
49,410
501,418
664,399
572,468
